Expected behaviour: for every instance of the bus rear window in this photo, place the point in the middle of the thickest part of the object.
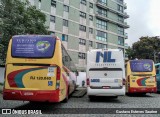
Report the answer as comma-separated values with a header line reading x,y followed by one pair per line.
x,y
141,66
29,46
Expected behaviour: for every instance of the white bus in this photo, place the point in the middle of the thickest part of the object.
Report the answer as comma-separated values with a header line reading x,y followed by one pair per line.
x,y
105,73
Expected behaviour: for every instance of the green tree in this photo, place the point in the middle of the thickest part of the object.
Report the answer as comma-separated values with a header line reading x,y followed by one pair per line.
x,y
130,53
147,47
18,18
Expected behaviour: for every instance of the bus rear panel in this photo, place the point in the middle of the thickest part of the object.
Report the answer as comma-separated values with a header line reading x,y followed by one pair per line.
x,y
34,69
141,77
105,77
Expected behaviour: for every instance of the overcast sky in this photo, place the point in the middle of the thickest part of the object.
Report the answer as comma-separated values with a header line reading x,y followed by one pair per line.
x,y
144,19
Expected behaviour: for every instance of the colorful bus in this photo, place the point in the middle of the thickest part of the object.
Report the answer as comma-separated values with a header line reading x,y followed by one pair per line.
x,y
105,73
140,76
38,68
157,66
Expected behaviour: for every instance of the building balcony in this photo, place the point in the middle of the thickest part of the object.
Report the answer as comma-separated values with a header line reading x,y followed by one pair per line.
x,y
123,24
125,5
105,6
126,35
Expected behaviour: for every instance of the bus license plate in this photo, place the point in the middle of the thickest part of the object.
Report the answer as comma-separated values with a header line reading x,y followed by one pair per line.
x,y
28,93
95,80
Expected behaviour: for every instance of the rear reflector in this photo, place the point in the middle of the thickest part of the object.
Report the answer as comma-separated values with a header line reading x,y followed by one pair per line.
x,y
58,73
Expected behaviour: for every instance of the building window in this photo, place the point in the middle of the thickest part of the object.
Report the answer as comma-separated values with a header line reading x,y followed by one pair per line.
x,y
82,14
66,8
100,45
103,2
120,1
101,24
90,43
64,37
81,55
91,17
120,19
102,12
82,41
90,5
53,3
121,41
91,30
65,23
120,8
52,18
82,28
83,2
102,36
121,30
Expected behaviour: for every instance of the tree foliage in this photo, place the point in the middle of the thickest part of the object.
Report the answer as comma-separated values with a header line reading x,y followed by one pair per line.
x,y
18,18
130,53
146,48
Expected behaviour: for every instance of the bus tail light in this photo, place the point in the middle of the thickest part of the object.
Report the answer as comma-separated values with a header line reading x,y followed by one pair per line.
x,y
58,73
88,82
58,78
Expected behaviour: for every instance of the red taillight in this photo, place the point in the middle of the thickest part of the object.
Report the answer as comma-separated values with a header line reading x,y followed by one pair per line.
x,y
88,82
58,73
58,78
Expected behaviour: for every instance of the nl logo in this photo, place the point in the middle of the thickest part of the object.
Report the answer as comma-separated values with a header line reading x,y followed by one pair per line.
x,y
106,56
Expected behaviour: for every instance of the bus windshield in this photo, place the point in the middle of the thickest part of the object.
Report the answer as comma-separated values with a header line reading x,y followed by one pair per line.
x,y
141,66
33,46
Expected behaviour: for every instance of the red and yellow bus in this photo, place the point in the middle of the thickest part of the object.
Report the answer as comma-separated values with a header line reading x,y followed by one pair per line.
x,y
140,76
38,68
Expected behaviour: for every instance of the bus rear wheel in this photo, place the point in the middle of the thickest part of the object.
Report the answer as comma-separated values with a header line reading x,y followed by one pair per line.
x,y
67,97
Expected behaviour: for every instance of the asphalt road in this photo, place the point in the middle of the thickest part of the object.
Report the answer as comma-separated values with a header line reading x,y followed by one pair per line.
x,y
83,107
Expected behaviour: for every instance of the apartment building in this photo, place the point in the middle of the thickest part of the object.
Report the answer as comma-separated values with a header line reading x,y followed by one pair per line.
x,y
85,24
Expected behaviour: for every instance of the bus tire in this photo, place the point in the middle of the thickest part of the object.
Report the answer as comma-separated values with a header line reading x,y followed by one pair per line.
x,y
67,97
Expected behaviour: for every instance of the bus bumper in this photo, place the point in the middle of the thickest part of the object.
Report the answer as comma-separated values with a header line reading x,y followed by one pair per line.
x,y
143,90
41,96
105,92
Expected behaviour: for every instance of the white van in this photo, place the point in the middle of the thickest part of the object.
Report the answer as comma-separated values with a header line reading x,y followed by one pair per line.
x,y
105,73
